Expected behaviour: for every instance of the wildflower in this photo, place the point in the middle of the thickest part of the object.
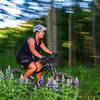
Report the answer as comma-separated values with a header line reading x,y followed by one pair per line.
x,y
50,82
57,79
26,81
8,70
12,76
21,80
63,79
41,82
2,76
68,83
55,87
76,82
35,88
71,81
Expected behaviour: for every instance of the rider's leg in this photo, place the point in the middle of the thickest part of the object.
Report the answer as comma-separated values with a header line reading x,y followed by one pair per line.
x,y
31,69
38,68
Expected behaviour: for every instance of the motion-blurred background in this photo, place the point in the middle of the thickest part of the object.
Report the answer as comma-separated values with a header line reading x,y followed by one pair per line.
x,y
73,32
73,28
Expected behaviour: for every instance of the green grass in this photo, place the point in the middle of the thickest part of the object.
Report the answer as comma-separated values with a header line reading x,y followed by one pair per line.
x,y
10,89
89,80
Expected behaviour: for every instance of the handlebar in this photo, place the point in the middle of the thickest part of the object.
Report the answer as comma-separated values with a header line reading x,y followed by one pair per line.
x,y
51,58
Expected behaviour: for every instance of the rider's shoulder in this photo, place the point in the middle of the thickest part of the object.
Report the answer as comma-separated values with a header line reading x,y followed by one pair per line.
x,y
30,39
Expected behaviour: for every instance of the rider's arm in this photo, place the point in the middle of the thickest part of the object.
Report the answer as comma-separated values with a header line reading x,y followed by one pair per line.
x,y
31,43
44,48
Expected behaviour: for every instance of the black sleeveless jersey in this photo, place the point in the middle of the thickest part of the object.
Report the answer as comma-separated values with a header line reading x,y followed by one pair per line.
x,y
25,50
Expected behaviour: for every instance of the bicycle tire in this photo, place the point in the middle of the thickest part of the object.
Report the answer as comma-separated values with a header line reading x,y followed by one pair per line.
x,y
72,81
17,70
17,73
59,75
66,76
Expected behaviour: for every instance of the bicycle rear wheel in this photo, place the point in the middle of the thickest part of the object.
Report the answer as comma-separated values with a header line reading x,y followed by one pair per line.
x,y
62,78
18,74
66,77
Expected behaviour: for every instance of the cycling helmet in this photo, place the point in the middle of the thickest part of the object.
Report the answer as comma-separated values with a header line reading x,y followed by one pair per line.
x,y
38,28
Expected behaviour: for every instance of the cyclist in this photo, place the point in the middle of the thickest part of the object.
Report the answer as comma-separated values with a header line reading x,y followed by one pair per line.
x,y
28,55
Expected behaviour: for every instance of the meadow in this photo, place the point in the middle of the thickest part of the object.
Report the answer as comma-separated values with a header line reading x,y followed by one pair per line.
x,y
12,89
89,86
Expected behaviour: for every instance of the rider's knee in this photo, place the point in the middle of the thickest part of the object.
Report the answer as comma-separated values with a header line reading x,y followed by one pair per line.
x,y
39,66
32,66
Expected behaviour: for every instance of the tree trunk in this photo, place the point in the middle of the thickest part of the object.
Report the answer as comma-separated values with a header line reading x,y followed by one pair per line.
x,y
52,30
70,40
94,41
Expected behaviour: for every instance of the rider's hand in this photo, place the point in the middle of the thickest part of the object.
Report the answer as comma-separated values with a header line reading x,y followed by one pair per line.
x,y
43,58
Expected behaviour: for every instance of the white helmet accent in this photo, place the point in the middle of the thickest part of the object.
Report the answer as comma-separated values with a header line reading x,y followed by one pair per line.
x,y
38,28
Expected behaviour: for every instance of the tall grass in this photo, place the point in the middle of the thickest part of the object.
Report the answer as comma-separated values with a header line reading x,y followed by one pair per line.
x,y
89,80
12,89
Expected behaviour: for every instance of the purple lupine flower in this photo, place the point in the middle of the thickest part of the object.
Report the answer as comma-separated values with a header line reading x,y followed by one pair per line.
x,y
8,70
63,79
57,79
41,82
76,83
12,76
2,76
68,83
50,82
21,80
55,87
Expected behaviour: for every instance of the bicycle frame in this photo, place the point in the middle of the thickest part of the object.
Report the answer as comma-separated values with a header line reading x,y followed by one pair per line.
x,y
46,68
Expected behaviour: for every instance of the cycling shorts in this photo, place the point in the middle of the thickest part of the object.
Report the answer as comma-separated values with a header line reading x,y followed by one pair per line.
x,y
25,60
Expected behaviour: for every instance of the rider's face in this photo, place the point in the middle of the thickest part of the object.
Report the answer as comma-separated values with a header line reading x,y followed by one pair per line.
x,y
41,34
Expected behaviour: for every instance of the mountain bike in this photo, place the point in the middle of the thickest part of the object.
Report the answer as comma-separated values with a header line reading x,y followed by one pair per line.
x,y
48,70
